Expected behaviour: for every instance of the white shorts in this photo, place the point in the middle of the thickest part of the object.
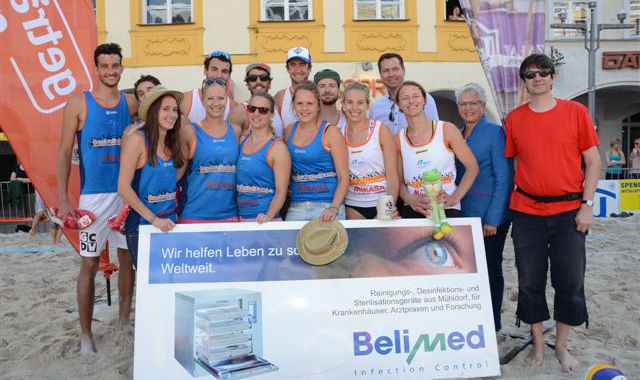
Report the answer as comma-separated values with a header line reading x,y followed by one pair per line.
x,y
94,237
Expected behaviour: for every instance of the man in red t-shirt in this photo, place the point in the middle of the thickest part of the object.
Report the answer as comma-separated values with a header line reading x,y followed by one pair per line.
x,y
552,205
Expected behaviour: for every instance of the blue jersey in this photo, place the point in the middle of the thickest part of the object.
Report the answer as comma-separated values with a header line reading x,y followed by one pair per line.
x,y
156,188
313,175
256,182
210,192
99,145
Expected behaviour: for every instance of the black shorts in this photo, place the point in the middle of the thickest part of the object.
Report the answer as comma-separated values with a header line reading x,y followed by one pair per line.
x,y
540,243
367,212
408,213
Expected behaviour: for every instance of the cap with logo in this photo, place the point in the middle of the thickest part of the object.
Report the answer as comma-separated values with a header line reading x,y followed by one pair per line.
x,y
299,52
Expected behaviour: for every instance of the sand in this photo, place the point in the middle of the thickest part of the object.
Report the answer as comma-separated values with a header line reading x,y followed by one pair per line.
x,y
39,323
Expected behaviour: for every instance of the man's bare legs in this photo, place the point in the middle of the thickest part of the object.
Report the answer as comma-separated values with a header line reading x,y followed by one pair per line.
x,y
567,361
86,292
126,280
536,355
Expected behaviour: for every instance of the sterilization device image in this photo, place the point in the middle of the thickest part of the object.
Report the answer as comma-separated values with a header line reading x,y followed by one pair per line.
x,y
219,332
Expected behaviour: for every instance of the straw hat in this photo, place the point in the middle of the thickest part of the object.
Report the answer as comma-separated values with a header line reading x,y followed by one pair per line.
x,y
321,243
154,94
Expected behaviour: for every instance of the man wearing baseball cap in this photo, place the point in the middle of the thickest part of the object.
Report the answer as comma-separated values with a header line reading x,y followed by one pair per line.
x,y
258,79
217,65
328,83
299,68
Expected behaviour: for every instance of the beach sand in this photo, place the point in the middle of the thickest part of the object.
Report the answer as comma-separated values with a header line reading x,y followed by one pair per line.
x,y
39,326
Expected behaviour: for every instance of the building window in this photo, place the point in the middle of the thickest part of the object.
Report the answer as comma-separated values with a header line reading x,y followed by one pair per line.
x,y
634,14
454,11
286,10
378,9
577,12
167,12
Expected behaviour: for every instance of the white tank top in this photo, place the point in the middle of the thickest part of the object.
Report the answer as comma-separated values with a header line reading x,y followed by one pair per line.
x,y
286,112
197,112
433,155
342,121
367,180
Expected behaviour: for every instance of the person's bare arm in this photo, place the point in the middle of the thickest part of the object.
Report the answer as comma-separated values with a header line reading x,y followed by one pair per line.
x,y
70,124
185,106
132,103
466,157
280,161
238,116
390,162
584,218
340,156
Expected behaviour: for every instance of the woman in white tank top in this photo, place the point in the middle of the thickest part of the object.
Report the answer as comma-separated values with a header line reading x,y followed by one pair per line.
x,y
426,145
372,155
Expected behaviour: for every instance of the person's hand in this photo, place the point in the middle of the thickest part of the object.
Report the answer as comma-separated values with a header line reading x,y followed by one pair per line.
x,y
394,213
489,230
263,218
328,214
584,218
165,225
419,203
447,200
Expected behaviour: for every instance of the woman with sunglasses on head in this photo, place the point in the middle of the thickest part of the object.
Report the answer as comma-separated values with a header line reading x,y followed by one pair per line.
x,y
151,162
319,166
209,193
372,155
264,165
426,145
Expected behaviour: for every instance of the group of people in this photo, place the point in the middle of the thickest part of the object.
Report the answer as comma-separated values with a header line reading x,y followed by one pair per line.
x,y
202,157
615,161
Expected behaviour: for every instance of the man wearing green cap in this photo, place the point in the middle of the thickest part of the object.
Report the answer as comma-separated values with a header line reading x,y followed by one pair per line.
x,y
328,83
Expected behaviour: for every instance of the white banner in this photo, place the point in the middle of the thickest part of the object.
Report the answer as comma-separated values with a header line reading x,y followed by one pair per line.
x,y
607,198
234,300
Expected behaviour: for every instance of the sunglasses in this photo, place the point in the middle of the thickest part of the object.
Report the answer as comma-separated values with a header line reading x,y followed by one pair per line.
x,y
262,77
210,81
261,110
220,54
532,74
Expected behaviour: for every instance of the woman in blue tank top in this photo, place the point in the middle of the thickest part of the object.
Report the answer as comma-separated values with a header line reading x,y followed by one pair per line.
x,y
209,192
319,161
614,159
151,162
264,165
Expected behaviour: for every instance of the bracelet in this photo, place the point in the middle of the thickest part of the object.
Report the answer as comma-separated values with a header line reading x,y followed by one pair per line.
x,y
334,207
153,219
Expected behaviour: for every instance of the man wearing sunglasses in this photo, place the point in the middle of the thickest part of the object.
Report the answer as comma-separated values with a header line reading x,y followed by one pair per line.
x,y
217,65
391,69
552,205
299,68
258,79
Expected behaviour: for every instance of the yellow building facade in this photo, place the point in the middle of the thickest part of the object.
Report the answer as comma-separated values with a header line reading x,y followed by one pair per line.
x,y
345,35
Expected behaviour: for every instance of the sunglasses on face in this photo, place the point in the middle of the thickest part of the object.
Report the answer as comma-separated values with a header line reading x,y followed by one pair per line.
x,y
262,77
220,54
532,74
261,110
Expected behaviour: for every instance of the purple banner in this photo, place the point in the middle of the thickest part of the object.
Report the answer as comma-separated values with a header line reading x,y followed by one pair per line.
x,y
505,32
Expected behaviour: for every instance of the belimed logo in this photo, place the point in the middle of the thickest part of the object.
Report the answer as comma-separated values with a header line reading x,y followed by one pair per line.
x,y
402,343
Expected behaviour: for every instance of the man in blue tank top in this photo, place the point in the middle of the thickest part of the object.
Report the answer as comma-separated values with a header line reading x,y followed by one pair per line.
x,y
97,119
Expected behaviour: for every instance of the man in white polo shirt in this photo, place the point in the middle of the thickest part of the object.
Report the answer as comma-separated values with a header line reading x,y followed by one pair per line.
x,y
391,68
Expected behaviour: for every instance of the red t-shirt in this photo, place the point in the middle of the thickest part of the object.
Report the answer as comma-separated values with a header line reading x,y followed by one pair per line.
x,y
548,147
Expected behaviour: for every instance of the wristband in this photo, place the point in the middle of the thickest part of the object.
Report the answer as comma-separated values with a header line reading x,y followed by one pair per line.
x,y
153,219
333,207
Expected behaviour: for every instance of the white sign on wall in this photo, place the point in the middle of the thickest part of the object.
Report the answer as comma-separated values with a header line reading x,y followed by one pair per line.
x,y
607,199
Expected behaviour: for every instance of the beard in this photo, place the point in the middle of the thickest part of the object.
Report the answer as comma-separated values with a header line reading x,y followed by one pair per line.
x,y
329,102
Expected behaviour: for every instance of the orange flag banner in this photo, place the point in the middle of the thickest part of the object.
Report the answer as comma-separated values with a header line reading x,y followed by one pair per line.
x,y
46,57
